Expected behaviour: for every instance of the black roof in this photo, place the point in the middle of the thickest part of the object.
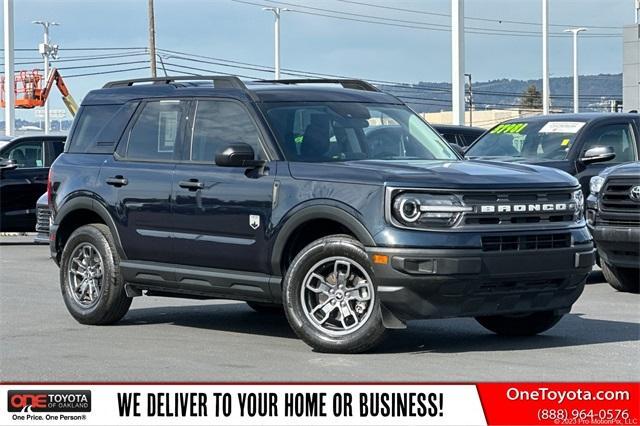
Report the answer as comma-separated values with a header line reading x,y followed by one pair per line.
x,y
455,128
583,116
319,90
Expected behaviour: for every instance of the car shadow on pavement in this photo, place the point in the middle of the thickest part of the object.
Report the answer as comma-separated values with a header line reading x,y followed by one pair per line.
x,y
596,277
231,317
464,335
428,336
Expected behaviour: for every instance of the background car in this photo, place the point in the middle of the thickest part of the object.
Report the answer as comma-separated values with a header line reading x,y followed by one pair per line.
x,y
580,144
460,135
23,178
613,217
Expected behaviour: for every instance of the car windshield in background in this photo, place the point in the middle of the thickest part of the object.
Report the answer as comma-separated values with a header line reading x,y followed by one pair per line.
x,y
344,131
539,140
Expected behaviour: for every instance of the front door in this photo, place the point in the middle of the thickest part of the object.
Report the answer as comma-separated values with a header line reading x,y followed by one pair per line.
x,y
221,214
619,136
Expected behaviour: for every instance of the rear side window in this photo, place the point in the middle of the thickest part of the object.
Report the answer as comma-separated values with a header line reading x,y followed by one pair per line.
x,y
154,136
90,123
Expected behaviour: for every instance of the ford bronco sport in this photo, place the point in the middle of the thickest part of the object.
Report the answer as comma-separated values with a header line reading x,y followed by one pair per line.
x,y
271,192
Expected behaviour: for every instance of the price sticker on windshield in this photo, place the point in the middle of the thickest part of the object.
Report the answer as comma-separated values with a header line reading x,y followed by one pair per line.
x,y
562,127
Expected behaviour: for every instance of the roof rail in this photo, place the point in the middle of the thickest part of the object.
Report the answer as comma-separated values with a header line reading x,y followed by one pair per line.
x,y
221,81
346,83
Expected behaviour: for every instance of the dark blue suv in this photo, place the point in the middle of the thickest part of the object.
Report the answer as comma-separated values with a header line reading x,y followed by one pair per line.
x,y
279,194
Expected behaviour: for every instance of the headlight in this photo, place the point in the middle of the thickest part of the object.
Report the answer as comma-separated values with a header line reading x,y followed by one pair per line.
x,y
595,184
427,210
578,199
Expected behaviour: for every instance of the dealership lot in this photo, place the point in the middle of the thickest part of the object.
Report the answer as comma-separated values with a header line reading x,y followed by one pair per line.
x,y
164,339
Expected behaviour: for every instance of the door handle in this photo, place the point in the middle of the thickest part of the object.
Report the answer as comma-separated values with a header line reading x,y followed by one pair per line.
x,y
117,181
191,184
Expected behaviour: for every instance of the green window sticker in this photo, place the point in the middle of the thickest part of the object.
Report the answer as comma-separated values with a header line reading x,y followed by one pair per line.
x,y
509,128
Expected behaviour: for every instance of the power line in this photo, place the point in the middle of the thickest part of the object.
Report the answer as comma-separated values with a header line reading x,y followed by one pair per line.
x,y
407,24
494,20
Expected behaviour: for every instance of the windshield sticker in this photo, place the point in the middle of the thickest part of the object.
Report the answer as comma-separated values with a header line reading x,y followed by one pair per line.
x,y
562,127
511,128
565,142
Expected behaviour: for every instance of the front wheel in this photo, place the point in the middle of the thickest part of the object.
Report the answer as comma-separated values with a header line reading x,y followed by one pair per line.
x,y
520,325
330,297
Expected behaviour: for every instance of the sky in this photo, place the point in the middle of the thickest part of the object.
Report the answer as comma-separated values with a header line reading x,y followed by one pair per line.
x,y
394,51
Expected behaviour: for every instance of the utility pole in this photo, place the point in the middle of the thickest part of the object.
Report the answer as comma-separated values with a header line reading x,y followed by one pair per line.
x,y
9,76
47,51
276,12
545,56
469,98
457,60
152,39
576,96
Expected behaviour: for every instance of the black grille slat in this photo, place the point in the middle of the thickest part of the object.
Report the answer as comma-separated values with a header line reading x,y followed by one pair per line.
x,y
616,195
42,220
525,242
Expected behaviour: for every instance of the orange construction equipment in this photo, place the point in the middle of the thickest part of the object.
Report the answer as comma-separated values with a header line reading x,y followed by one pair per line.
x,y
29,94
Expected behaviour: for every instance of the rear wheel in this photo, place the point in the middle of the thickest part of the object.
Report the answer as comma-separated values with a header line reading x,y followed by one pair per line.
x,y
520,325
622,279
330,297
90,280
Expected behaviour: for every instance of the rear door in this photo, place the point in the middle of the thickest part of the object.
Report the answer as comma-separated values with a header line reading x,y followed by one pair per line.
x,y
137,180
221,214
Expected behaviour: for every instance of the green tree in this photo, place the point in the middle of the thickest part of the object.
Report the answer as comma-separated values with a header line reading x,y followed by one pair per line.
x,y
531,98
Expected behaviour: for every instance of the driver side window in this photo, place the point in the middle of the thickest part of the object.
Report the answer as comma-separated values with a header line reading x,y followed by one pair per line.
x,y
617,136
27,154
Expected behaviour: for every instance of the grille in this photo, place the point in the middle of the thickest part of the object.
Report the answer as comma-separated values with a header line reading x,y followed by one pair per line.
x,y
525,242
520,286
616,195
42,224
518,199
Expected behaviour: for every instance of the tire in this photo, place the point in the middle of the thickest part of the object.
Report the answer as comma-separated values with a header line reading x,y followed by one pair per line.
x,y
340,273
266,308
520,325
622,279
109,302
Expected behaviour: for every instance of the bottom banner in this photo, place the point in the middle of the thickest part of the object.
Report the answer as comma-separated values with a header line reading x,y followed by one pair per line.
x,y
321,404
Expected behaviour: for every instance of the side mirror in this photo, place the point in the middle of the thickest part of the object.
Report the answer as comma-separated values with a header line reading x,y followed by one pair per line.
x,y
7,164
598,154
238,155
457,148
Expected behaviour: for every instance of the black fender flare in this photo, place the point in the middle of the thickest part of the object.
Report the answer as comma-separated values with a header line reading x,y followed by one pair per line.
x,y
84,202
311,212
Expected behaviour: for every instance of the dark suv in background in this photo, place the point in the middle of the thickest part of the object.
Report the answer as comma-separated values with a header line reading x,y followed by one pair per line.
x,y
24,167
275,193
582,145
613,217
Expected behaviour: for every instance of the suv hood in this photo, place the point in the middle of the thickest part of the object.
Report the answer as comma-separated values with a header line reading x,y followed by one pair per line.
x,y
435,174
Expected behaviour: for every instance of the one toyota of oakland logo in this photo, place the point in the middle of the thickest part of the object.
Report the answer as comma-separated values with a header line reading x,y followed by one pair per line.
x,y
634,194
51,401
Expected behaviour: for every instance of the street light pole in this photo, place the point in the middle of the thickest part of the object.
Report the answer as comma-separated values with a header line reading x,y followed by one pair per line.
x,y
152,39
457,61
9,94
276,12
545,56
46,50
576,96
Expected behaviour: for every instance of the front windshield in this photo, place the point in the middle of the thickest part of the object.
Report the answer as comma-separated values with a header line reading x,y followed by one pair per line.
x,y
537,140
344,131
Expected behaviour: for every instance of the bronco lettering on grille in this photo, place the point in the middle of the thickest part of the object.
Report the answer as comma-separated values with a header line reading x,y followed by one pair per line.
x,y
526,208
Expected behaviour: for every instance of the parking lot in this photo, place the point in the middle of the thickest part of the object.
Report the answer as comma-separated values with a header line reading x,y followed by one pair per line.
x,y
164,339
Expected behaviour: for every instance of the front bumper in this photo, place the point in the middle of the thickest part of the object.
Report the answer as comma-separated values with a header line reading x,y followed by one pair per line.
x,y
441,283
618,246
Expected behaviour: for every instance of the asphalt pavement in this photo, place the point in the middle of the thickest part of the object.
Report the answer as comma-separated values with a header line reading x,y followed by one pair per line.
x,y
165,339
